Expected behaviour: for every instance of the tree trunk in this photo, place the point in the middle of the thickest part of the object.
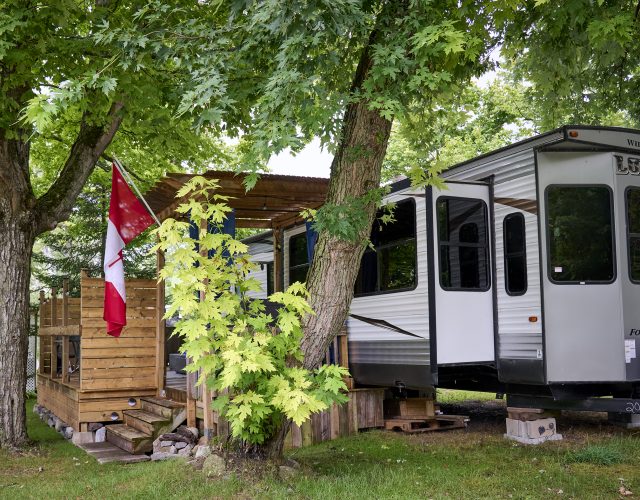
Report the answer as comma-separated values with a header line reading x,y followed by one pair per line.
x,y
16,242
355,171
22,218
15,271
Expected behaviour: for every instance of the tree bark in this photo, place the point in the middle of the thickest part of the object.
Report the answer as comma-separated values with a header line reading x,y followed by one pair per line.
x,y
22,218
336,261
17,237
355,171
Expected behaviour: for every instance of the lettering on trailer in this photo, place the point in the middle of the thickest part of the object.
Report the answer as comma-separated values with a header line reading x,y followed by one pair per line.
x,y
632,167
633,143
634,331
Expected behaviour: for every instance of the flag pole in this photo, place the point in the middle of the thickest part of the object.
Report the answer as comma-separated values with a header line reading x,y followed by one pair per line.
x,y
128,178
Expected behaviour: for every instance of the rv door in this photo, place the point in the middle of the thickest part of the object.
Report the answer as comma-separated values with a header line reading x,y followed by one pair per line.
x,y
463,295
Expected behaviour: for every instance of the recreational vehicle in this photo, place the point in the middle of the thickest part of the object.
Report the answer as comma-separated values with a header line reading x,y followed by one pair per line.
x,y
521,275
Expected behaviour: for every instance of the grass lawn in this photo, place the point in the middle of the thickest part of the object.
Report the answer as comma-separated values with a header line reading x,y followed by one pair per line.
x,y
593,461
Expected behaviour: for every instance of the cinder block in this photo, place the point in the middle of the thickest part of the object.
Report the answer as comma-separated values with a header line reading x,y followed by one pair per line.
x,y
82,438
533,429
540,440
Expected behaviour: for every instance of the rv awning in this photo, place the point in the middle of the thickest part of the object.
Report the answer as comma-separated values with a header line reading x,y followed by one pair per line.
x,y
274,202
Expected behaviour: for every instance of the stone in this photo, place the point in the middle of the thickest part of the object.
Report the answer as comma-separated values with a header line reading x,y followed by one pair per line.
x,y
51,422
60,425
173,450
287,473
202,451
214,466
203,441
101,435
166,443
194,431
94,426
155,457
67,432
186,451
180,445
174,436
37,409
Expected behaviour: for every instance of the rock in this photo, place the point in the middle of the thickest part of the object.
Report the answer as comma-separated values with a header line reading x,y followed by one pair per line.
x,y
214,466
60,426
101,435
163,456
287,473
202,451
51,422
181,445
173,450
57,423
203,441
94,426
67,432
174,436
166,443
37,409
186,451
194,431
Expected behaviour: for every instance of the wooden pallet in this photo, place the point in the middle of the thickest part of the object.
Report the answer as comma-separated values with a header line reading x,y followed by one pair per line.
x,y
417,425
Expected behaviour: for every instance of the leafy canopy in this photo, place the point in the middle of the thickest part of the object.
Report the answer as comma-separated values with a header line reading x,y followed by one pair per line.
x,y
251,358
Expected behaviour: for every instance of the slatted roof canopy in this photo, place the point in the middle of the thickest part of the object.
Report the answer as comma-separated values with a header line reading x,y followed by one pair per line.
x,y
274,202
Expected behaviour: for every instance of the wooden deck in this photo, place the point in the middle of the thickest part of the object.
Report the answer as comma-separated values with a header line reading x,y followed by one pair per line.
x,y
85,375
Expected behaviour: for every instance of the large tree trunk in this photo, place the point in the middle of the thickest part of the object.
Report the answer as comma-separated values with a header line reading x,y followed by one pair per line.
x,y
22,218
16,241
355,171
15,256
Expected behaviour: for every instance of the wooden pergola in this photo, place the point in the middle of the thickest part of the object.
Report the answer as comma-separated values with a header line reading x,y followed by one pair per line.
x,y
275,203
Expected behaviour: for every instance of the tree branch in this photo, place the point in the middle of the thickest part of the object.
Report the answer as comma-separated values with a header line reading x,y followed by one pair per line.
x,y
56,204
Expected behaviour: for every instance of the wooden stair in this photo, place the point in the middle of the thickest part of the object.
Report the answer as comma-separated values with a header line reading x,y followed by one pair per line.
x,y
141,427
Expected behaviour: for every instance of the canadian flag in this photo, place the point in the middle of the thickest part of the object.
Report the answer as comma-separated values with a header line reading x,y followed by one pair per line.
x,y
127,219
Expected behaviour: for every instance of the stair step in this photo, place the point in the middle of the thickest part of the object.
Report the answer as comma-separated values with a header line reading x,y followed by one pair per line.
x,y
145,421
164,407
129,439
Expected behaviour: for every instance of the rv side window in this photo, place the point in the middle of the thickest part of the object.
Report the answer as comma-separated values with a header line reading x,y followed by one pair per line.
x,y
633,233
463,244
515,258
298,258
580,234
391,264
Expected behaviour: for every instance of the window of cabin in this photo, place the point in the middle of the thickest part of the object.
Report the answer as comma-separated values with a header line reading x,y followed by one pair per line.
x,y
298,258
633,232
515,257
463,241
580,234
391,264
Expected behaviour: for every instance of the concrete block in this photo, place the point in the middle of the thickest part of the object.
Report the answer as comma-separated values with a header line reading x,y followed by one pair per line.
x,y
82,438
539,440
531,429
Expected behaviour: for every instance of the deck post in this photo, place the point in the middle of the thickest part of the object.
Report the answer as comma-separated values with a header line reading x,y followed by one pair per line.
x,y
65,338
54,322
278,281
160,325
39,338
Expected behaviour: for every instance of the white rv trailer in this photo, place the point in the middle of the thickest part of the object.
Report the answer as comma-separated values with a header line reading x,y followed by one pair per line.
x,y
521,276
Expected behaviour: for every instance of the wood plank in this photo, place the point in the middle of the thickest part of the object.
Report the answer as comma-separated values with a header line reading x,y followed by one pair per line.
x,y
140,362
135,293
130,282
144,302
118,343
116,373
124,382
127,332
125,352
89,395
94,312
110,404
133,322
59,330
